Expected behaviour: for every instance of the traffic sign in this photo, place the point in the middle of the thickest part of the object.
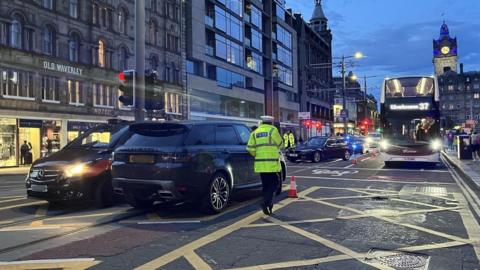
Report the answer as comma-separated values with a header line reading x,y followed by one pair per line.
x,y
344,113
304,115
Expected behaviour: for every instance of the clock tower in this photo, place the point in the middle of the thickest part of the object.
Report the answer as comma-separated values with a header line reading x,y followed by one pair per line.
x,y
445,56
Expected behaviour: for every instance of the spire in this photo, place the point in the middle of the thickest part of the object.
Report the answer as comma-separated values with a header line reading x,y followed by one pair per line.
x,y
444,32
318,14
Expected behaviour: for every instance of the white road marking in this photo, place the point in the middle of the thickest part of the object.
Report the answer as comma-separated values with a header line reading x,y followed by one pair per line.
x,y
168,222
372,180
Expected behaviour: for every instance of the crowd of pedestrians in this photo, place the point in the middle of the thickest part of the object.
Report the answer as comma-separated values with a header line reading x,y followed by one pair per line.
x,y
451,141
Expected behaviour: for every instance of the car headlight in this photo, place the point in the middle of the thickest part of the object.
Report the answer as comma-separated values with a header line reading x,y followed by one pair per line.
x,y
384,145
436,145
369,140
75,170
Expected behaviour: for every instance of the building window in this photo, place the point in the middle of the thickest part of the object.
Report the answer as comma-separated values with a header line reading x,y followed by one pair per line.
x,y
228,79
95,14
172,103
122,21
73,8
152,32
476,86
48,40
154,5
47,4
279,12
257,40
154,63
284,37
284,56
50,92
101,53
228,24
122,59
256,17
283,74
168,76
17,84
234,5
476,96
228,50
255,62
450,87
73,48
172,43
102,95
75,93
16,34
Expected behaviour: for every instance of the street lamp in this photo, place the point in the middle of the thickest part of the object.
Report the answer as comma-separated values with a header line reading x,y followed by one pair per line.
x,y
357,55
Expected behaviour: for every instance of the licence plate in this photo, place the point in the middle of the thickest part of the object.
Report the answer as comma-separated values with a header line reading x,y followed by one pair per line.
x,y
293,155
409,159
39,188
149,159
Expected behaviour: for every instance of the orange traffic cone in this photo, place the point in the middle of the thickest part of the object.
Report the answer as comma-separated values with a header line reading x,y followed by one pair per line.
x,y
292,193
354,161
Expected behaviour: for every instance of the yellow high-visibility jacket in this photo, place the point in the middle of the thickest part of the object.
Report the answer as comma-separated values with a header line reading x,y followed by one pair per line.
x,y
265,144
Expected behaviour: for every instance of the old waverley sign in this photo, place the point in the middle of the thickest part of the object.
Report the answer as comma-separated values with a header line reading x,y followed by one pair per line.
x,y
62,68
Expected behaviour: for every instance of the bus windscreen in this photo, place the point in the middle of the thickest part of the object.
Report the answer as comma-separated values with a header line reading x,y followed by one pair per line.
x,y
409,87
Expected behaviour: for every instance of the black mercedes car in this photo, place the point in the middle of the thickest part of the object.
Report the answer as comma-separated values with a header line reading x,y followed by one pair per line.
x,y
201,162
319,148
80,170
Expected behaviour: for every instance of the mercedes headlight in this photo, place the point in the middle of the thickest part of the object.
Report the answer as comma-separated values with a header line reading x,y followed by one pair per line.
x,y
384,145
75,170
436,145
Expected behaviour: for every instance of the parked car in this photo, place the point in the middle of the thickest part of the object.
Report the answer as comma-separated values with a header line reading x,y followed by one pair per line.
x,y
201,162
319,148
80,170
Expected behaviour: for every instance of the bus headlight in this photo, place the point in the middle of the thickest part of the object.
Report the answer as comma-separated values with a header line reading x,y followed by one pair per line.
x,y
436,145
384,145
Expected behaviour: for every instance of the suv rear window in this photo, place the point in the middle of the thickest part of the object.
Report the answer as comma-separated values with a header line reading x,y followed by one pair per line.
x,y
201,135
156,135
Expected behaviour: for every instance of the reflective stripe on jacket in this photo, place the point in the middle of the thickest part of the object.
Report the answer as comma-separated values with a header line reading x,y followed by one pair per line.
x,y
265,144
291,137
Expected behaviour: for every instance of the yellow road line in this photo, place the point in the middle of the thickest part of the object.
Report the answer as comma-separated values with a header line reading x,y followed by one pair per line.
x,y
41,212
292,264
70,264
290,222
330,244
21,205
13,200
444,235
197,262
470,224
190,247
86,215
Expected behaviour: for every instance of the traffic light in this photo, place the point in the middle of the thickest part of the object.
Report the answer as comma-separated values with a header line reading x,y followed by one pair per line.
x,y
308,124
318,126
153,99
126,79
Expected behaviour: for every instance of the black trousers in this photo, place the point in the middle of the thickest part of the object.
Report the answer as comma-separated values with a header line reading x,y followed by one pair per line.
x,y
269,186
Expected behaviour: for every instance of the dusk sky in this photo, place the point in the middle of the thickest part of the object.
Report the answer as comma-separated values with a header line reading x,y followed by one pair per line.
x,y
396,35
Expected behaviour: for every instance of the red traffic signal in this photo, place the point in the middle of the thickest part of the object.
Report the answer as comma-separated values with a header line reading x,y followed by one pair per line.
x,y
319,125
121,76
308,124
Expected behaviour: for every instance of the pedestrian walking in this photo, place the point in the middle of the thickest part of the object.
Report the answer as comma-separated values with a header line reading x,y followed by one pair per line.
x,y
264,145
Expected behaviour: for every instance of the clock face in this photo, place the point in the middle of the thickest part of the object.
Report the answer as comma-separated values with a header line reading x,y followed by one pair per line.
x,y
445,50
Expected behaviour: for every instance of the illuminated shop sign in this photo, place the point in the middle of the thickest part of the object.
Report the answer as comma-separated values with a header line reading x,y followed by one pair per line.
x,y
62,68
410,107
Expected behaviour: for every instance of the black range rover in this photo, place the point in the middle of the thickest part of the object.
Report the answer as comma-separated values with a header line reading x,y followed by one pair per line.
x,y
80,170
202,162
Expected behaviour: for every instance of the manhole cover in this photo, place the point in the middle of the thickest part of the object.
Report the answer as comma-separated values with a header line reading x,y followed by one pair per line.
x,y
433,190
399,260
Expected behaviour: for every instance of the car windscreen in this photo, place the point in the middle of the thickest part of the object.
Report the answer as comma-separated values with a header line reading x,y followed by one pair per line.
x,y
156,135
316,142
103,136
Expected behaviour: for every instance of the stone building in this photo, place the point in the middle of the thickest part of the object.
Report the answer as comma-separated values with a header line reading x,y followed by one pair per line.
x,y
315,69
59,61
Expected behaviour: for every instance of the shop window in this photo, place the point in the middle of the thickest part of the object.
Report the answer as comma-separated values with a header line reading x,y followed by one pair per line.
x,y
102,95
51,131
172,103
16,84
8,142
75,93
50,91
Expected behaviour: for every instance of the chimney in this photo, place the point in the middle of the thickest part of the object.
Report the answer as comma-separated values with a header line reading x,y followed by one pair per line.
x,y
461,68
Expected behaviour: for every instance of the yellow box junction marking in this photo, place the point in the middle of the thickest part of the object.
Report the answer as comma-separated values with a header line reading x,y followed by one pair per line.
x,y
66,264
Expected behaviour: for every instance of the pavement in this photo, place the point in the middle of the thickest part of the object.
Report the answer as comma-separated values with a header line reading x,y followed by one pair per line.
x,y
22,170
347,216
470,168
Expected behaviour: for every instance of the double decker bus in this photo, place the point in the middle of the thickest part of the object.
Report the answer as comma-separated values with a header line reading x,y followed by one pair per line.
x,y
410,119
